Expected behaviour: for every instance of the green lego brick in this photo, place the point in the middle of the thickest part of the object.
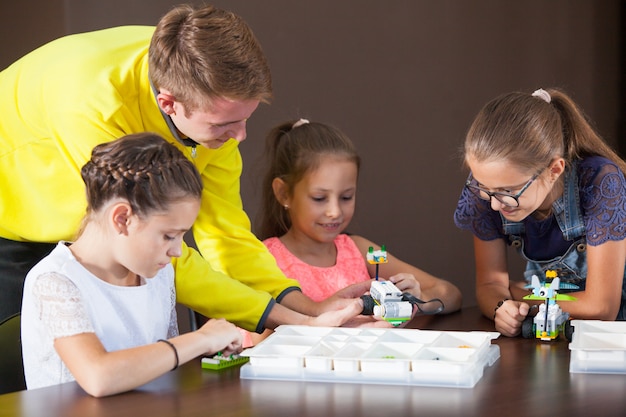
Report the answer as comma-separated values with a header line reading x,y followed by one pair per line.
x,y
219,361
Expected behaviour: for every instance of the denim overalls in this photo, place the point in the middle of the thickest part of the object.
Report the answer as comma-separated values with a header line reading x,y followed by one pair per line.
x,y
571,267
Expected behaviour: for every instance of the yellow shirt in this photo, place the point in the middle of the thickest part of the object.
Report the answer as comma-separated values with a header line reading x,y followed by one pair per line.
x,y
64,98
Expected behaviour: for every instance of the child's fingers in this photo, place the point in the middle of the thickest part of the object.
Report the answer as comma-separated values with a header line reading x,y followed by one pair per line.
x,y
523,310
509,317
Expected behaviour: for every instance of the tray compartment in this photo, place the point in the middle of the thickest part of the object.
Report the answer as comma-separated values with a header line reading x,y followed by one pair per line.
x,y
598,347
372,356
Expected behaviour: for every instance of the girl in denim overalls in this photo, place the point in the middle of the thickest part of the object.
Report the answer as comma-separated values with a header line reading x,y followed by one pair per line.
x,y
543,181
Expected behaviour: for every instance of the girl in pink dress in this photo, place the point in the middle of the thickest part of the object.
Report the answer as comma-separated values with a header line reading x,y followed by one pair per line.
x,y
309,193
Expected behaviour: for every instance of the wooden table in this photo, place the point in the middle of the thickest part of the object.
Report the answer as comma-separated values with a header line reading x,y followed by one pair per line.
x,y
531,378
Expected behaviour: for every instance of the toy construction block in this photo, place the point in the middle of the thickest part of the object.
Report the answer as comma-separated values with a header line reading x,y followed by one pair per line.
x,y
376,257
220,361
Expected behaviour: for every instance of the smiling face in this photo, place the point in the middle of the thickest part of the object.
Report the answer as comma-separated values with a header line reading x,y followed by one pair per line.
x,y
503,177
212,127
151,242
322,204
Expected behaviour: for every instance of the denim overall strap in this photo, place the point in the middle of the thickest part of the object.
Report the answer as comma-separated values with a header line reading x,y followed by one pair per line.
x,y
571,220
566,210
513,230
571,265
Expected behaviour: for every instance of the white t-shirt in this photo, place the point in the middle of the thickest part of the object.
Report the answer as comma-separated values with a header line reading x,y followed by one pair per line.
x,y
62,298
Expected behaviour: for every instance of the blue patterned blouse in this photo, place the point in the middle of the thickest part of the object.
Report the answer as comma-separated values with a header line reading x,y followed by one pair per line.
x,y
602,198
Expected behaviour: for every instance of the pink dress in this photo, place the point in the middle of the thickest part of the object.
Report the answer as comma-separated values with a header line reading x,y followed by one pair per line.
x,y
316,282
320,283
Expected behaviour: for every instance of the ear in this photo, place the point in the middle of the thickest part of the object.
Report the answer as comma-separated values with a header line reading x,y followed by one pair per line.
x,y
120,216
166,101
556,168
281,191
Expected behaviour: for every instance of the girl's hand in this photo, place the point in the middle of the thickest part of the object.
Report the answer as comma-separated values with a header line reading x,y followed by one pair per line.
x,y
509,317
221,336
407,283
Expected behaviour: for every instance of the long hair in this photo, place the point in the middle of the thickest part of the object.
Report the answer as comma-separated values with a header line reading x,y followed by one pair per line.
x,y
291,152
529,131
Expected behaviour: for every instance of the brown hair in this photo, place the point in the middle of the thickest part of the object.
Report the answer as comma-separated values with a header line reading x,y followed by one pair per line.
x,y
290,154
143,169
529,132
202,53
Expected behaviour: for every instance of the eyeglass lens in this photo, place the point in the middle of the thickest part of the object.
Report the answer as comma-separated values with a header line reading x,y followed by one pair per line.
x,y
507,200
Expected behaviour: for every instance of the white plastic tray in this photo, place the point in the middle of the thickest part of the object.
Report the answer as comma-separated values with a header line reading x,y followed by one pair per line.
x,y
372,356
598,347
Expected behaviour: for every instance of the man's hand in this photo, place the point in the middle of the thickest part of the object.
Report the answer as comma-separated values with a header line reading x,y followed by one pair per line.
x,y
345,297
337,317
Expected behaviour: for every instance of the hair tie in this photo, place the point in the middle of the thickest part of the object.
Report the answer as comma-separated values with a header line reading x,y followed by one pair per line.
x,y
300,123
542,94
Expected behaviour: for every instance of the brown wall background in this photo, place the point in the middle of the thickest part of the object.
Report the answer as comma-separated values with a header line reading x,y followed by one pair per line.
x,y
403,78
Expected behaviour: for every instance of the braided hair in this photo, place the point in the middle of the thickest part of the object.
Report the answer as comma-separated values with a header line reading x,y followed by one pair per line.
x,y
143,169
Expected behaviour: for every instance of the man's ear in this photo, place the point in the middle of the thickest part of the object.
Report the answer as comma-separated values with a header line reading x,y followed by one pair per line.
x,y
120,216
281,192
166,101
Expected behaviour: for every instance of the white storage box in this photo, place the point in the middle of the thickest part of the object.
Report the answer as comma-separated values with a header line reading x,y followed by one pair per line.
x,y
372,356
598,347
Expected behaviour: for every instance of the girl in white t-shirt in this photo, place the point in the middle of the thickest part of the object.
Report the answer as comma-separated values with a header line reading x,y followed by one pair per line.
x,y
101,310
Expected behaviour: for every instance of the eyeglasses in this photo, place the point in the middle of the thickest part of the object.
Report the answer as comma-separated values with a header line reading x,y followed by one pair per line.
x,y
506,199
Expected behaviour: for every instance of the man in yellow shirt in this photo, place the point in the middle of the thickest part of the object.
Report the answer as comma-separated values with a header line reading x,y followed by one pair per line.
x,y
195,79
